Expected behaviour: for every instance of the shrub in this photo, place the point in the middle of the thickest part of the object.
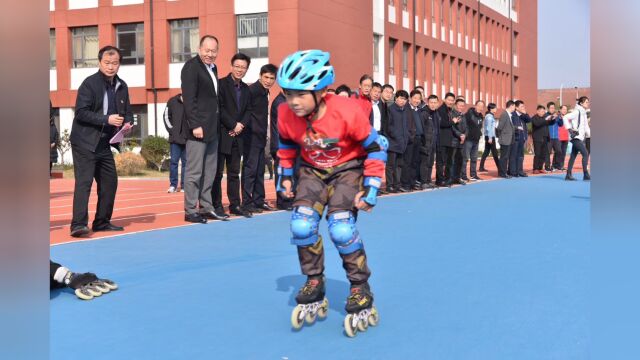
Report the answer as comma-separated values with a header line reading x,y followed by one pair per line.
x,y
129,164
155,150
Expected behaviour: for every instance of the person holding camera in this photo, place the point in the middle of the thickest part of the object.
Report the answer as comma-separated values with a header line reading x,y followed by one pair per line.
x,y
578,126
102,109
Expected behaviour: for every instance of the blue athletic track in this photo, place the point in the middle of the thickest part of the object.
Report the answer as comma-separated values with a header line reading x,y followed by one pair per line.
x,y
492,270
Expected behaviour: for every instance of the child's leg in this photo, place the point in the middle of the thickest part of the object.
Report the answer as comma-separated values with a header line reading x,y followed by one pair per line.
x,y
311,195
342,225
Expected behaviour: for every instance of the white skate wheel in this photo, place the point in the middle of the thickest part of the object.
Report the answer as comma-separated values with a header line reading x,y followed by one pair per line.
x,y
363,325
296,318
84,294
310,318
374,317
349,329
324,308
101,286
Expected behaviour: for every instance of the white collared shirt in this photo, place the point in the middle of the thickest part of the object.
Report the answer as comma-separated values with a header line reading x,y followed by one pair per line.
x,y
377,117
213,76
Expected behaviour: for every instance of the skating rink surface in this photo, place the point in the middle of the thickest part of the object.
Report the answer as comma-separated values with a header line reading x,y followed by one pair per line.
x,y
492,270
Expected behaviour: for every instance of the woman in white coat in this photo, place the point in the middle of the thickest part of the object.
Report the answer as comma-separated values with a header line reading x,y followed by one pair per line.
x,y
578,125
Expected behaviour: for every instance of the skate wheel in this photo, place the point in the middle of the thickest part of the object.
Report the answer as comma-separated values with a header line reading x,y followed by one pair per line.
x,y
93,290
349,329
296,318
101,287
310,318
108,283
324,308
374,317
83,294
363,325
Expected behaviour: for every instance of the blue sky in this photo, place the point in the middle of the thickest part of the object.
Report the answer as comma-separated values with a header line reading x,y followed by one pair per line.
x,y
563,43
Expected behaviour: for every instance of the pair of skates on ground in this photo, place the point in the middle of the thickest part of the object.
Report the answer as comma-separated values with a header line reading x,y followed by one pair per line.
x,y
88,286
312,303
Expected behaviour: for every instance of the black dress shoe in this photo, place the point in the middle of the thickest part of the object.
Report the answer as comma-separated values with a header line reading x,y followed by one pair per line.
x,y
252,209
237,210
417,187
266,207
107,227
211,215
402,190
505,176
221,213
460,182
523,175
80,231
195,218
427,186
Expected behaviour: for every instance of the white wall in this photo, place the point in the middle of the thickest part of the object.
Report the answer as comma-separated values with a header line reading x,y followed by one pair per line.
x,y
174,75
66,119
127,2
251,6
133,75
53,80
254,70
162,131
82,4
78,76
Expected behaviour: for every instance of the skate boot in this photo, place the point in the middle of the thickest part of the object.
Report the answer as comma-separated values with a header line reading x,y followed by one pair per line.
x,y
360,310
87,285
311,302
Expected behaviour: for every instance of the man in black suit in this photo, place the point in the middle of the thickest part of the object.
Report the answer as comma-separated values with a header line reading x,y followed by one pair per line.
x,y
379,114
200,94
282,202
102,108
255,140
444,164
235,98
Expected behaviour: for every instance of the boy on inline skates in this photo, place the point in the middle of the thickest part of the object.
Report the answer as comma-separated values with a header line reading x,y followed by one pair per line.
x,y
342,163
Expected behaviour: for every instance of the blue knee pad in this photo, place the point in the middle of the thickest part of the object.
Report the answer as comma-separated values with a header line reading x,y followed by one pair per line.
x,y
343,232
304,226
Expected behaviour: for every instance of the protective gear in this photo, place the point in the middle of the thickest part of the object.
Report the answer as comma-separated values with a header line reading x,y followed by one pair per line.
x,y
343,232
304,226
306,70
283,174
376,146
371,186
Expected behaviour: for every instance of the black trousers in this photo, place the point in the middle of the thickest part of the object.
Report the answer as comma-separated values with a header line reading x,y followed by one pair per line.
x,y
454,163
408,176
517,157
281,201
253,176
587,144
87,166
426,164
541,150
232,162
442,170
556,146
392,170
578,147
490,148
505,158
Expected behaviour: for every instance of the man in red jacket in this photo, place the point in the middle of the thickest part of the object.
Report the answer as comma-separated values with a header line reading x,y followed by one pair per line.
x,y
342,163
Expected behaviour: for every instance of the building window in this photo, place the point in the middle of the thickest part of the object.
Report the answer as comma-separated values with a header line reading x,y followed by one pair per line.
x,y
405,5
391,2
84,43
444,58
253,31
130,41
405,59
376,52
433,66
392,61
451,15
52,49
185,39
442,13
140,118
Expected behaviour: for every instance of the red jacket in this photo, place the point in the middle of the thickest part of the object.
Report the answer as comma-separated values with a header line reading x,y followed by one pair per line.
x,y
338,136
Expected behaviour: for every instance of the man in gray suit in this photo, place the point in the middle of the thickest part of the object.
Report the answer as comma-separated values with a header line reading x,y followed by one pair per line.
x,y
504,131
201,105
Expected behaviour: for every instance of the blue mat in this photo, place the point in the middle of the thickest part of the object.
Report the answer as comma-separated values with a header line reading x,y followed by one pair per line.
x,y
495,270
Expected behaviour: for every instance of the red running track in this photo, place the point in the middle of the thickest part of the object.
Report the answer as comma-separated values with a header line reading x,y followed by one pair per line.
x,y
143,205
